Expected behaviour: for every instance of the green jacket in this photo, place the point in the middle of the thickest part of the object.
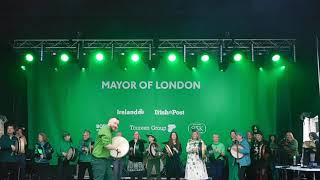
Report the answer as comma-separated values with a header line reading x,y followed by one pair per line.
x,y
64,147
85,156
104,138
6,154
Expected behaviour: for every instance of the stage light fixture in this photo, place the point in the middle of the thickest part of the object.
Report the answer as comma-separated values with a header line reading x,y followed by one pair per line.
x,y
23,68
64,57
135,57
276,57
205,58
191,61
172,57
237,57
283,67
99,56
29,57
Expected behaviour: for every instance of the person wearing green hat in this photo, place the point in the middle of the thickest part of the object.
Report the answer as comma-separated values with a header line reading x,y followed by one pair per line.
x,y
64,168
101,159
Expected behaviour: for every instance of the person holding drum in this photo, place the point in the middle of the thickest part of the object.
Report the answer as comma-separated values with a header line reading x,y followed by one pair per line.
x,y
42,155
85,155
21,146
8,161
101,159
64,168
118,164
196,167
173,150
153,157
135,162
242,149
216,153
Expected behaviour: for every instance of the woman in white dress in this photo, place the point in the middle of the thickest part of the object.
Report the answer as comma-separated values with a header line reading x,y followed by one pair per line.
x,y
195,167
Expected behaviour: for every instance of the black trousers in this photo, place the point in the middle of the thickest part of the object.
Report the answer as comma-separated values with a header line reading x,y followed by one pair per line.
x,y
83,166
9,171
64,170
242,172
42,171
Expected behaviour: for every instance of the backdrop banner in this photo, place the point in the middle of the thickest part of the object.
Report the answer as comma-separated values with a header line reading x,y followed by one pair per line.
x,y
171,98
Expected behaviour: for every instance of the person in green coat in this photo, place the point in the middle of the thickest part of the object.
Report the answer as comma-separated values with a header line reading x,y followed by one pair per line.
x,y
85,155
233,167
101,159
64,168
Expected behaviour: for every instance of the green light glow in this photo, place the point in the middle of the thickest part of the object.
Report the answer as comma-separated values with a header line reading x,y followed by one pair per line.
x,y
135,57
172,57
29,57
99,57
64,57
237,57
205,58
276,57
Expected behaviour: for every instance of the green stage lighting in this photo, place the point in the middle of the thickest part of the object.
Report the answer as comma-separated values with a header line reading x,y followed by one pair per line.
x,y
283,67
99,57
135,57
260,68
276,57
64,57
23,68
237,57
29,57
205,58
172,57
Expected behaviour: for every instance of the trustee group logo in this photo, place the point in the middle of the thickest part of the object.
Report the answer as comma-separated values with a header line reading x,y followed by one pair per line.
x,y
200,127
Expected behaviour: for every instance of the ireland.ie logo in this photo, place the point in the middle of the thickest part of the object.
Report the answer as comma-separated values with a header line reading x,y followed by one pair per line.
x,y
200,127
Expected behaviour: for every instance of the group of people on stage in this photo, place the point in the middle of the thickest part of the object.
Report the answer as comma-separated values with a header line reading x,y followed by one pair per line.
x,y
247,156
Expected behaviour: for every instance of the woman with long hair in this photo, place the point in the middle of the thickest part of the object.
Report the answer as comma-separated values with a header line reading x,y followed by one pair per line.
x,y
195,167
173,150
42,155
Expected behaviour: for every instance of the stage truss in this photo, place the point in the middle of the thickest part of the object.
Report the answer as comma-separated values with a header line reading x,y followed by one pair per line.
x,y
150,45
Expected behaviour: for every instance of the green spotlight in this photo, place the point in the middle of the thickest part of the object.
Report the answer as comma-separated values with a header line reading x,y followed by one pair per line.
x,y
237,57
260,68
283,67
153,69
172,57
23,68
205,58
64,57
135,57
29,57
99,57
276,57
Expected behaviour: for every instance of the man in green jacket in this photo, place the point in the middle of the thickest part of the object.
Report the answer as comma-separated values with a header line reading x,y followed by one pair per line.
x,y
101,160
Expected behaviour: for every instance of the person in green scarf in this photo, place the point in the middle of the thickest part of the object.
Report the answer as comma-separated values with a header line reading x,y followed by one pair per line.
x,y
101,159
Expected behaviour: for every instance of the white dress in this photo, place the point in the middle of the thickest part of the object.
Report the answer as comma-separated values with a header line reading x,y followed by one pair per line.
x,y
195,167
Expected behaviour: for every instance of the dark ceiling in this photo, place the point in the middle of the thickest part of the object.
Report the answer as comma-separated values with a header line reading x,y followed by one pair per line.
x,y
166,18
